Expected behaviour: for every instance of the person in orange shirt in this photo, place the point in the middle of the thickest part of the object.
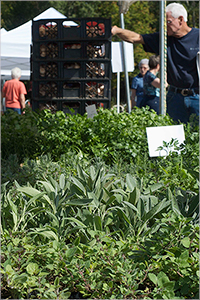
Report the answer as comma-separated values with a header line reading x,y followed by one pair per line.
x,y
14,92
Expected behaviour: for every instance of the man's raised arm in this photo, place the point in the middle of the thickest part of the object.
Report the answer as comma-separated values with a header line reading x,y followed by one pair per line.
x,y
127,35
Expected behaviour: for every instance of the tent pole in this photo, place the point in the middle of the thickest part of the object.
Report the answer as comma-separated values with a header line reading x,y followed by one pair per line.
x,y
125,66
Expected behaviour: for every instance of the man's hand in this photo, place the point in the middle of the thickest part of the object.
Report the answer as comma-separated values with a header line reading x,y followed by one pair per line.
x,y
114,30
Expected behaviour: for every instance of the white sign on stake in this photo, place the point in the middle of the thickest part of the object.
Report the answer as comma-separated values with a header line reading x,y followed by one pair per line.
x,y
91,111
117,57
157,135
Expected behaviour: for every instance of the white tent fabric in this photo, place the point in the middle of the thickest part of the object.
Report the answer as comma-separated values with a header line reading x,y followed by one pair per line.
x,y
15,45
3,31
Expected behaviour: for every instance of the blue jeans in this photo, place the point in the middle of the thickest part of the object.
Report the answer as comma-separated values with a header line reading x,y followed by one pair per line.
x,y
180,107
18,110
152,102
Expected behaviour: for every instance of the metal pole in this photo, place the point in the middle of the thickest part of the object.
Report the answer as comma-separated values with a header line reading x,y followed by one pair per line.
x,y
162,59
118,91
125,66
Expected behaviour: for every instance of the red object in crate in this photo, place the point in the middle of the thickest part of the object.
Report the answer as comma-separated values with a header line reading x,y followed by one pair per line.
x,y
93,28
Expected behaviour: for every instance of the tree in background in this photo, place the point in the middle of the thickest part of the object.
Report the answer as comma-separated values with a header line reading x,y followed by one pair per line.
x,y
16,13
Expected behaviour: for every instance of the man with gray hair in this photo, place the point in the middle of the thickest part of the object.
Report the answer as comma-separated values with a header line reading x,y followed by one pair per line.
x,y
182,49
14,92
137,83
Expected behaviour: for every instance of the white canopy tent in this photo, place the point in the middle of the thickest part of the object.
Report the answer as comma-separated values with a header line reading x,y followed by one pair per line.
x,y
15,45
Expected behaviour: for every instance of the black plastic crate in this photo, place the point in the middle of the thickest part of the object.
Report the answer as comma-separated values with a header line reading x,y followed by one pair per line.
x,y
72,50
96,89
53,106
47,50
71,89
45,70
45,29
45,89
97,28
71,32
87,29
95,69
71,29
98,49
71,69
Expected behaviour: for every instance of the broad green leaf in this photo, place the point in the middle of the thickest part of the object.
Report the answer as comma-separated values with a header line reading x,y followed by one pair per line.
x,y
156,209
14,211
81,173
97,179
65,295
53,182
92,172
186,242
130,205
70,252
153,188
57,281
9,270
169,286
122,214
120,191
76,221
78,184
140,208
79,202
97,223
131,182
77,241
34,198
183,259
193,205
22,278
32,192
32,268
110,200
162,278
173,200
48,187
108,219
46,233
153,278
62,181
134,196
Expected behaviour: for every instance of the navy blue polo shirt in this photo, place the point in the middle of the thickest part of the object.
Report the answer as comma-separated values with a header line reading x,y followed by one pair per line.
x,y
181,57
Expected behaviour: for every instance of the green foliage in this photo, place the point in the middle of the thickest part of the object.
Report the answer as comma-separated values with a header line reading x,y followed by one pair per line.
x,y
19,134
164,265
97,218
118,140
45,133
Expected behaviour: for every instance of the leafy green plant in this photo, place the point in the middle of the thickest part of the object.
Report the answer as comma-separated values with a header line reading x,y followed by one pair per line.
x,y
164,265
87,214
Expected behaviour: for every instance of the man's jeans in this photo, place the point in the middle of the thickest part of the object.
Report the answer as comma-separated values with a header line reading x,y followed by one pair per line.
x,y
18,110
180,108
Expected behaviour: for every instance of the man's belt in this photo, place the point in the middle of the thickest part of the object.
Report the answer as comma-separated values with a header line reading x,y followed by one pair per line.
x,y
184,92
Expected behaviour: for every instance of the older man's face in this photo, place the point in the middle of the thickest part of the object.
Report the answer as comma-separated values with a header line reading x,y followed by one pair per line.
x,y
173,24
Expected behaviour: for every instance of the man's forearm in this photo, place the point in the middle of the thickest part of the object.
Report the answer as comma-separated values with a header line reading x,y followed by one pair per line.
x,y
127,35
22,101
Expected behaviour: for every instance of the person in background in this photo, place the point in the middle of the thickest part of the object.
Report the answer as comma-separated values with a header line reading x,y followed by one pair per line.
x,y
137,83
14,92
182,49
151,85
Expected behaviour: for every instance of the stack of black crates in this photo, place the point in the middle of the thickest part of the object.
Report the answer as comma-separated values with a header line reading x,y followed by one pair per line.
x,y
71,64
